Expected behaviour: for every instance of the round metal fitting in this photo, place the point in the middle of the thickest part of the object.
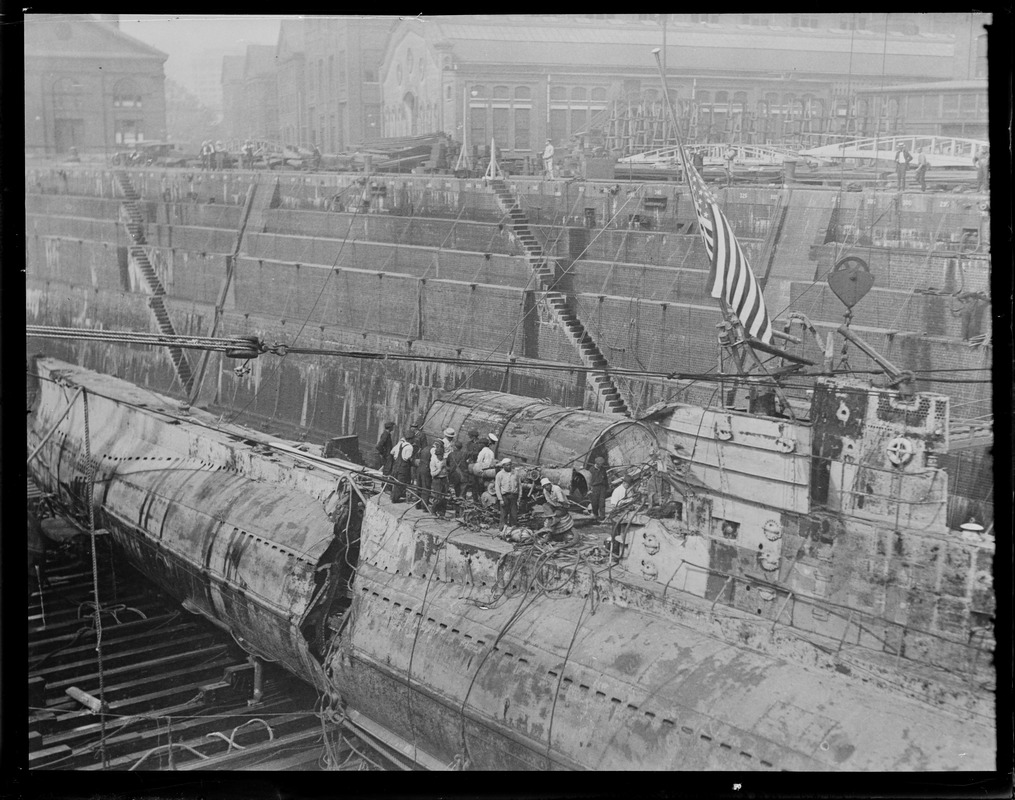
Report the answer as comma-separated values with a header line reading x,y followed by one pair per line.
x,y
900,451
773,530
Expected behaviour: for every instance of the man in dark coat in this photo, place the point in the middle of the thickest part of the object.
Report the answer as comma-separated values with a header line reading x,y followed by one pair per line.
x,y
383,448
458,474
420,464
475,482
599,487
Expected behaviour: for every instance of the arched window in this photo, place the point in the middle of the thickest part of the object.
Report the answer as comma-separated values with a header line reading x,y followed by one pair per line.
x,y
980,69
523,93
579,93
478,90
599,94
651,95
740,99
558,93
501,92
703,97
126,95
722,98
67,93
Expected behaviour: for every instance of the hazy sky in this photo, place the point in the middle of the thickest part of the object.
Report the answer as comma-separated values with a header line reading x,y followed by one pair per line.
x,y
180,35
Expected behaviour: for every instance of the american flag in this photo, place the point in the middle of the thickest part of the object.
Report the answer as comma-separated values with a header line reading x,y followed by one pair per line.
x,y
731,276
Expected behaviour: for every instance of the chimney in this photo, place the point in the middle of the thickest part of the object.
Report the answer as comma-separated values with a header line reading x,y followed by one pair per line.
x,y
111,19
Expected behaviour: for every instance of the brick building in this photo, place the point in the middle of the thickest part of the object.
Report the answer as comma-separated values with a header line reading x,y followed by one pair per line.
x,y
90,86
260,93
343,59
290,57
233,92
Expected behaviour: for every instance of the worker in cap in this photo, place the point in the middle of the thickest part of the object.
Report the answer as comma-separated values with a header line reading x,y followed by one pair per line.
x,y
622,496
485,459
438,463
557,516
383,448
472,448
449,439
507,487
599,487
401,468
902,159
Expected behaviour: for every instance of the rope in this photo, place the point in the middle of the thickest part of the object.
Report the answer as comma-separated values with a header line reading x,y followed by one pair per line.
x,y
89,495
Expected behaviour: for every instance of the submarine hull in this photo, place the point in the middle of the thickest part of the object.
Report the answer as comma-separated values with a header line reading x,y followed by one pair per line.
x,y
468,650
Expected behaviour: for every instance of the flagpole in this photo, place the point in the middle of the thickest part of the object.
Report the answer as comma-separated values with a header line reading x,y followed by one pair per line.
x,y
741,346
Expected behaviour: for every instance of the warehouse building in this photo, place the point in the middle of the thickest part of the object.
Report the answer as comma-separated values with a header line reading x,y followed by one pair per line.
x,y
522,79
89,86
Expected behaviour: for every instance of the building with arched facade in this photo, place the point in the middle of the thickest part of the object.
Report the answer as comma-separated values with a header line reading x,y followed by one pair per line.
x,y
523,79
89,86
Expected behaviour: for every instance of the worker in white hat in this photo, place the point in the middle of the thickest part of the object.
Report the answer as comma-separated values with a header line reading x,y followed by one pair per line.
x,y
449,439
485,460
557,517
507,488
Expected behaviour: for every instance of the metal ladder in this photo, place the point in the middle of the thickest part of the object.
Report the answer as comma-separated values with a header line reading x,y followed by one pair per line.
x,y
134,222
608,396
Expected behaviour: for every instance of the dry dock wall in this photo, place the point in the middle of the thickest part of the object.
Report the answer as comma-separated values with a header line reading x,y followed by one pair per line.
x,y
419,297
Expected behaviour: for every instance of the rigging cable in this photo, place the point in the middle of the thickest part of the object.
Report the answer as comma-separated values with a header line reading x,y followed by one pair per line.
x,y
90,498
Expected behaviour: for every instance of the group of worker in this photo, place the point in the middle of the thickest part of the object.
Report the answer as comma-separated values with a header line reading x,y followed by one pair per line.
x,y
213,154
429,475
903,160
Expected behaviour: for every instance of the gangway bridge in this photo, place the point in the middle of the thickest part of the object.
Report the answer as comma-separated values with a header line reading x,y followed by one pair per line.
x,y
744,155
941,151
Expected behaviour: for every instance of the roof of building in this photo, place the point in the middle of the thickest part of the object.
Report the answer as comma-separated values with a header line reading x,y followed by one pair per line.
x,y
86,37
232,68
260,60
931,86
611,45
291,38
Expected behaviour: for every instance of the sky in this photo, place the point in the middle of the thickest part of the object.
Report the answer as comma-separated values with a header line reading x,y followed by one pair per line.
x,y
181,34
196,43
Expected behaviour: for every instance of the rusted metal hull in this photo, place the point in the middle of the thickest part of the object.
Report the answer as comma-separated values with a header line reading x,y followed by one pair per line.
x,y
423,634
585,682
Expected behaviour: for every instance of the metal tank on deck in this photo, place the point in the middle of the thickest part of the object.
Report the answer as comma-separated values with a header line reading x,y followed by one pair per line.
x,y
539,434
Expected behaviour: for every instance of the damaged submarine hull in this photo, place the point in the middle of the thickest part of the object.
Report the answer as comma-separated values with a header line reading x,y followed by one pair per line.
x,y
449,642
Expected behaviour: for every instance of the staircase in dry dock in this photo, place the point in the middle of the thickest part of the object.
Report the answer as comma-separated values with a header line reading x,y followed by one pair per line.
x,y
134,222
608,395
